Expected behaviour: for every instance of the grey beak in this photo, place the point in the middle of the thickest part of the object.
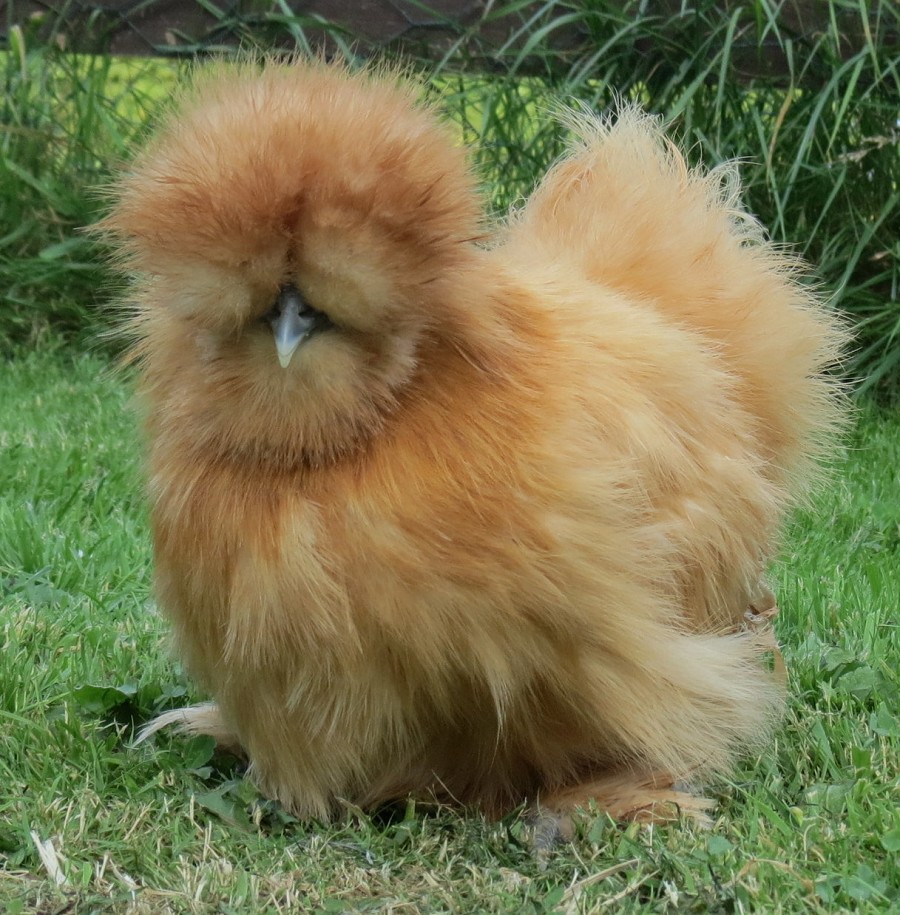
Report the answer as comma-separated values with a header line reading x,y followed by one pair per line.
x,y
291,324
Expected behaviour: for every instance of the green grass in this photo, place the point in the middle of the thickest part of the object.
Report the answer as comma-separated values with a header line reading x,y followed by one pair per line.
x,y
811,826
65,121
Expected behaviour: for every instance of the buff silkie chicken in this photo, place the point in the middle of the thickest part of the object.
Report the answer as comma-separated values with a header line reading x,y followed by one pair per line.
x,y
456,510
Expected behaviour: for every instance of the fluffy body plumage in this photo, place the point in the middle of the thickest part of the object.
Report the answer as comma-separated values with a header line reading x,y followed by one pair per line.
x,y
493,534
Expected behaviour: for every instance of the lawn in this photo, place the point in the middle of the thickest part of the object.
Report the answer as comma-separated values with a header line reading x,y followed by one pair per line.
x,y
90,824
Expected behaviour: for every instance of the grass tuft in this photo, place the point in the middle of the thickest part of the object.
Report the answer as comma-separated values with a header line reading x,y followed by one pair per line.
x,y
818,134
65,122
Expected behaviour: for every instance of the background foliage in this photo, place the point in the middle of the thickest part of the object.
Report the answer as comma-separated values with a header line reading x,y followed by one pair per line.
x,y
819,136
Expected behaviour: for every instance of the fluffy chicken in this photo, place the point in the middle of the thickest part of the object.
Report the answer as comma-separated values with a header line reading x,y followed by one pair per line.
x,y
451,509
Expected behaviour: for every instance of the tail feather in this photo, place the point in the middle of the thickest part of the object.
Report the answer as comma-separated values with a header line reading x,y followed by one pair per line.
x,y
623,209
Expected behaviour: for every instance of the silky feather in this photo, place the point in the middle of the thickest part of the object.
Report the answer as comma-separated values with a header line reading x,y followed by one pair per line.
x,y
494,537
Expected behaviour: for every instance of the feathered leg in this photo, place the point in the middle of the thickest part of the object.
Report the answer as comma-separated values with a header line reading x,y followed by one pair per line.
x,y
195,720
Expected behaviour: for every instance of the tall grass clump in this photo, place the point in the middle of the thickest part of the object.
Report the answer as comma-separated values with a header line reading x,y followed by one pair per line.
x,y
815,119
811,109
64,121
